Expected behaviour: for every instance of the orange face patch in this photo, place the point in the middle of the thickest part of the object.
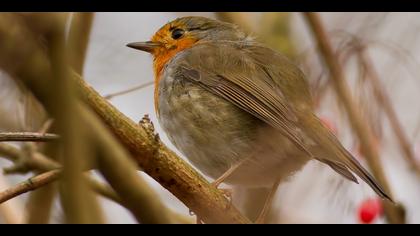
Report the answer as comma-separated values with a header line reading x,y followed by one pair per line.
x,y
170,47
164,54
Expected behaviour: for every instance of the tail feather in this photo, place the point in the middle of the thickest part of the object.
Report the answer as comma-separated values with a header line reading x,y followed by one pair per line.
x,y
330,151
341,169
358,169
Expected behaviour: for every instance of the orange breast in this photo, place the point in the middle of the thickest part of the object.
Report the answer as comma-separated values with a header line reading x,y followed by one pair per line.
x,y
162,57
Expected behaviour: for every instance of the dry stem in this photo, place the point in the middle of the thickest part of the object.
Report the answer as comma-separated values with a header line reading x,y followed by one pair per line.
x,y
29,185
383,99
150,154
360,127
26,137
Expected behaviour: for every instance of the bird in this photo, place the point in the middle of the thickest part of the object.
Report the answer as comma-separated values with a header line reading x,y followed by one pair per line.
x,y
239,111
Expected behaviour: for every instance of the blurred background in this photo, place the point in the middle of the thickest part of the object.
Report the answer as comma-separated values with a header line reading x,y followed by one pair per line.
x,y
314,195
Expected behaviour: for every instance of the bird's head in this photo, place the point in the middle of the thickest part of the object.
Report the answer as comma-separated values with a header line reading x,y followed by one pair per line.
x,y
184,33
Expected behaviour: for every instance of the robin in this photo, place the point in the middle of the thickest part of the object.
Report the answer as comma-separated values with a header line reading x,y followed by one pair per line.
x,y
240,112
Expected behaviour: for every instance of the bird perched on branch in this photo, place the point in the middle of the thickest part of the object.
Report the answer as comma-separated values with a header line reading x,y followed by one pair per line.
x,y
241,112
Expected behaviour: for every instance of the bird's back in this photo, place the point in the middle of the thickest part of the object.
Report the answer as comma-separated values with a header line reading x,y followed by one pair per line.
x,y
214,134
225,101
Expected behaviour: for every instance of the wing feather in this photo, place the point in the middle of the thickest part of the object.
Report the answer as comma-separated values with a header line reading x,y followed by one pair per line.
x,y
252,90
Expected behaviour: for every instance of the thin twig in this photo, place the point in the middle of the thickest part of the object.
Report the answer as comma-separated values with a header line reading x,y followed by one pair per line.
x,y
138,87
46,126
361,128
383,99
41,202
29,185
27,137
37,160
140,198
10,212
137,203
99,188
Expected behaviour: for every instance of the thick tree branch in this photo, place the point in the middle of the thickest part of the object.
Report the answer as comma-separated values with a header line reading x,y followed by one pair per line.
x,y
150,154
121,173
362,130
162,164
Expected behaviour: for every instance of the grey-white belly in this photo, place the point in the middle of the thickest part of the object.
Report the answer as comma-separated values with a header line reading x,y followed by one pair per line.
x,y
214,135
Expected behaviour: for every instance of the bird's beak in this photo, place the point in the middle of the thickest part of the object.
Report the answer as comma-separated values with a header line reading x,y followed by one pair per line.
x,y
148,46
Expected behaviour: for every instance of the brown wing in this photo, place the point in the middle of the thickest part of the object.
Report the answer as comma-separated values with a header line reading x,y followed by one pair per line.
x,y
268,86
238,76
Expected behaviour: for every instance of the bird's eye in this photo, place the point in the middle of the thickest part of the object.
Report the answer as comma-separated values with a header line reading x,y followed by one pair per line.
x,y
177,33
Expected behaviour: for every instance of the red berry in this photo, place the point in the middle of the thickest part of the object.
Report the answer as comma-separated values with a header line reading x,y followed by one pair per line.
x,y
369,210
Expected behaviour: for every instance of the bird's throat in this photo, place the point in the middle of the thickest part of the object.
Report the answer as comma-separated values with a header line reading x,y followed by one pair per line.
x,y
162,57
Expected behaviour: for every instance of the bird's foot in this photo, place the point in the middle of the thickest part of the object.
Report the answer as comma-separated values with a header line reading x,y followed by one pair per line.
x,y
268,202
227,192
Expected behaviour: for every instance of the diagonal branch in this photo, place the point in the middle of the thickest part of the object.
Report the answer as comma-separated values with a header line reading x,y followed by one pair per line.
x,y
29,185
136,196
10,212
362,130
162,164
141,211
148,151
121,173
